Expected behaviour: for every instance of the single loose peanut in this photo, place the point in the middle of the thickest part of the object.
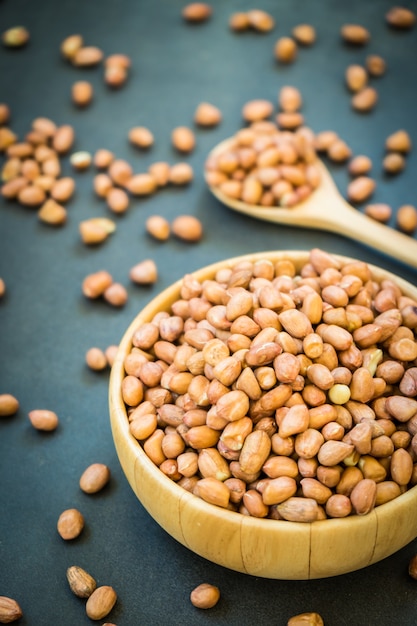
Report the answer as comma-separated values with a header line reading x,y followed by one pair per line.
x,y
100,602
197,12
70,524
181,174
117,199
187,228
158,227
96,359
82,93
365,99
260,21
360,189
304,34
400,17
43,419
398,141
10,610
375,65
144,273
9,405
205,596
94,478
95,284
15,37
183,139
356,77
393,163
81,583
355,34
380,212
87,56
51,212
285,50
70,45
116,294
207,114
96,229
407,218
141,137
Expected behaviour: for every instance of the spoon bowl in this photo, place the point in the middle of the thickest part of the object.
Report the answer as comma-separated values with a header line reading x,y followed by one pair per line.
x,y
326,209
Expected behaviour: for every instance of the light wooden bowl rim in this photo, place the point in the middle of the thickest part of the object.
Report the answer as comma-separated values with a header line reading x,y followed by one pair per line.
x,y
389,526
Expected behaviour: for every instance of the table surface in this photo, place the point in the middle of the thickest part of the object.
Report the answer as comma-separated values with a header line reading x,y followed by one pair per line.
x,y
46,325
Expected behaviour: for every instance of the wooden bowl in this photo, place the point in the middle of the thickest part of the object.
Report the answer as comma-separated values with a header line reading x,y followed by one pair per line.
x,y
260,547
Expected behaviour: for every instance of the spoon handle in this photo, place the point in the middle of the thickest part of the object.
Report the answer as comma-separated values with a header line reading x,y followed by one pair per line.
x,y
337,215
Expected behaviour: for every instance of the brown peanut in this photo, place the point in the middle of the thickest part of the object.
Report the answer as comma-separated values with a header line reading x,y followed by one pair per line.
x,y
94,478
10,610
205,596
81,583
43,419
9,405
100,602
70,524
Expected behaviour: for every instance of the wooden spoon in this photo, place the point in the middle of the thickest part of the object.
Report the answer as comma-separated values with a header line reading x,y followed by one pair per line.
x,y
326,209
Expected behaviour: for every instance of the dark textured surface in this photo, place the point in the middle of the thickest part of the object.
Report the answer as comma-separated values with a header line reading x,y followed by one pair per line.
x,y
46,325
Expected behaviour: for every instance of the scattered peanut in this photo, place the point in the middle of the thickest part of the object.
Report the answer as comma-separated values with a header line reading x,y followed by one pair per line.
x,y
116,295
9,405
81,583
141,137
187,228
356,77
144,273
10,610
100,602
94,478
158,227
360,165
82,93
15,37
2,288
285,50
260,21
43,419
407,218
183,139
304,34
197,12
398,142
380,212
400,17
207,114
205,596
365,99
375,65
53,213
70,46
96,359
355,34
393,163
70,524
360,189
87,56
96,229
181,174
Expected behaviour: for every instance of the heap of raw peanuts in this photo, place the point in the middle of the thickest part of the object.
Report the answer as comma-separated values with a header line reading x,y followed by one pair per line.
x,y
31,175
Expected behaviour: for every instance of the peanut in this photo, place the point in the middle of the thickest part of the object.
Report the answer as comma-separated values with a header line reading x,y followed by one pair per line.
x,y
15,37
187,227
260,21
205,596
87,56
365,99
407,218
94,478
100,602
285,50
375,65
196,12
400,17
304,34
144,273
81,583
141,137
9,405
82,93
43,419
207,114
10,610
183,139
398,142
306,619
356,77
70,524
355,34
158,227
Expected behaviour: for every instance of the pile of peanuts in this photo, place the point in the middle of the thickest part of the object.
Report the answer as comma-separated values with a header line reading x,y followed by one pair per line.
x,y
31,174
280,393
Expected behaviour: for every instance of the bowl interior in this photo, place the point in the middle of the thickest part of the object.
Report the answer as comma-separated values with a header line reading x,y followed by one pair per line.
x,y
260,547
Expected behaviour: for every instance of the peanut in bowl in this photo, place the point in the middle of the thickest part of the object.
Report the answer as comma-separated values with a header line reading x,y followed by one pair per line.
x,y
264,412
